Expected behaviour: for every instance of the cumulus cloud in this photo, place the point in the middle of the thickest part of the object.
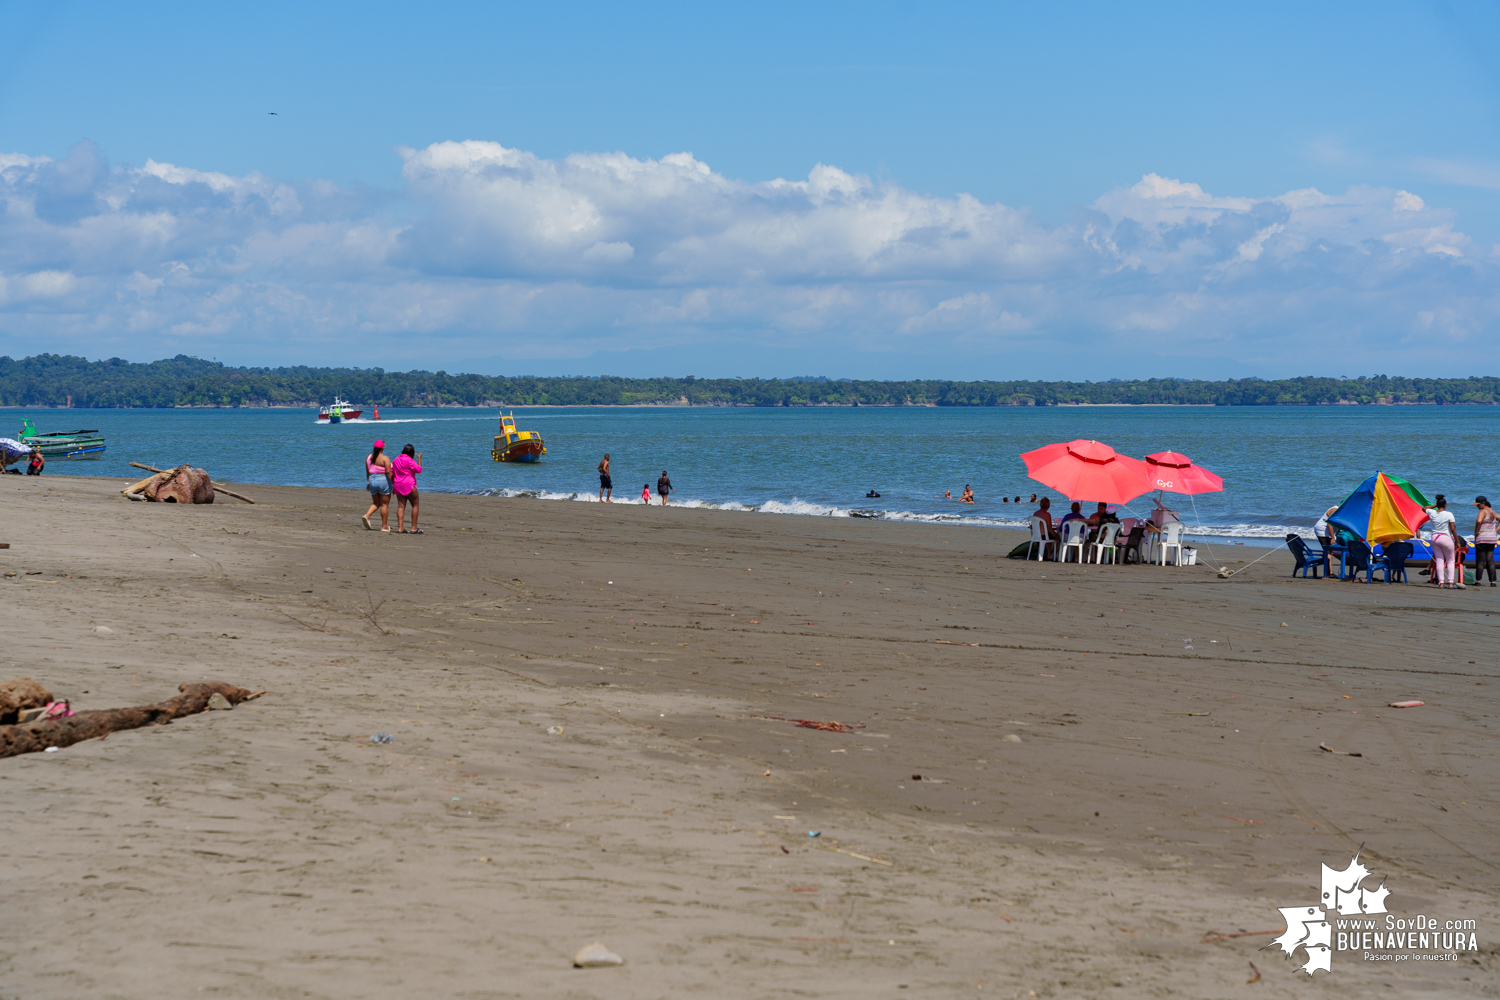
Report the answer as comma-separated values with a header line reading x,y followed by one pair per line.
x,y
488,251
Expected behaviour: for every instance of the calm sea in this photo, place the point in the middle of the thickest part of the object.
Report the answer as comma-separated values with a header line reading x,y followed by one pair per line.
x,y
1282,466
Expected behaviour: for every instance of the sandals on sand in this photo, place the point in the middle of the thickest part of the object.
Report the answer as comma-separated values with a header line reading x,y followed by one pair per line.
x,y
419,531
366,520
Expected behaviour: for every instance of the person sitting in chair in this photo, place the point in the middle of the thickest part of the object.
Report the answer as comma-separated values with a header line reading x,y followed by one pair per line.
x,y
1074,514
1045,513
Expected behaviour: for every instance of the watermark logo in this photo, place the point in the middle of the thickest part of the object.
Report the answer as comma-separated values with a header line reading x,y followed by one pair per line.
x,y
1353,917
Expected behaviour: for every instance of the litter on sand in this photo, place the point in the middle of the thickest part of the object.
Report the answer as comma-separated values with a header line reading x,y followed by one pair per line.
x,y
1406,704
1342,753
827,727
596,956
382,738
862,857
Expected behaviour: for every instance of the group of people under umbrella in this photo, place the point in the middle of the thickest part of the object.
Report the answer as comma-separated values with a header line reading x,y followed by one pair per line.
x,y
1378,529
1090,471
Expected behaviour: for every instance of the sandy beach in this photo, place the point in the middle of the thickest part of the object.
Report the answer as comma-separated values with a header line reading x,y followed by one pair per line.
x,y
589,709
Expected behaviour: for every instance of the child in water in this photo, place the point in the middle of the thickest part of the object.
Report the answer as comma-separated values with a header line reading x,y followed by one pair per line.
x,y
646,494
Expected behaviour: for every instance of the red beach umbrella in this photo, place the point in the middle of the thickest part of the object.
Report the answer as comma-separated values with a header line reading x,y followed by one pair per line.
x,y
1176,473
1088,470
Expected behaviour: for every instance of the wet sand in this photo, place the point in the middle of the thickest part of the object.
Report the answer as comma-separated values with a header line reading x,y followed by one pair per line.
x,y
1157,794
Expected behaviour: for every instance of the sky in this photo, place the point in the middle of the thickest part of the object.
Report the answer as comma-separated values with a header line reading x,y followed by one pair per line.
x,y
872,191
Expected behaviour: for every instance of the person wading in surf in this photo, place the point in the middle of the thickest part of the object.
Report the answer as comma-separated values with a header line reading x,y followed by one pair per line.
x,y
606,484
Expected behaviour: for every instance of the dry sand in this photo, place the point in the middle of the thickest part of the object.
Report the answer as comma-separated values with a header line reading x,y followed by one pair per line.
x,y
1157,794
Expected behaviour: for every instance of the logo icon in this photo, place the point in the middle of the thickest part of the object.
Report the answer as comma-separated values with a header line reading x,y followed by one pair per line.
x,y
1308,927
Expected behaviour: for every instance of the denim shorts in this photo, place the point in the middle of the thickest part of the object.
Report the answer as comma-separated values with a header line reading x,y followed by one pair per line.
x,y
378,485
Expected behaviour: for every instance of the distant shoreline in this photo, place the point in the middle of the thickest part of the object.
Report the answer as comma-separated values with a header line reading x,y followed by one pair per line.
x,y
62,382
757,406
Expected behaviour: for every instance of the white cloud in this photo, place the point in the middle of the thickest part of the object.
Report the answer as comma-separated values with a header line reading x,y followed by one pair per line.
x,y
491,251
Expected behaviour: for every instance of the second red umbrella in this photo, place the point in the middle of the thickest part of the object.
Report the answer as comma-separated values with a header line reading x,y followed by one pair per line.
x,y
1088,470
1176,473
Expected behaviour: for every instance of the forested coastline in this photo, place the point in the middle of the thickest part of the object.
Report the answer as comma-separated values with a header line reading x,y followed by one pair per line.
x,y
57,380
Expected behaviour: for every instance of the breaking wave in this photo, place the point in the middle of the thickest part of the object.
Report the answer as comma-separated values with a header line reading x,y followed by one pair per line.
x,y
1245,533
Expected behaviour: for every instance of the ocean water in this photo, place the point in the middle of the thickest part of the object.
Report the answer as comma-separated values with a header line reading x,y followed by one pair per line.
x,y
1282,466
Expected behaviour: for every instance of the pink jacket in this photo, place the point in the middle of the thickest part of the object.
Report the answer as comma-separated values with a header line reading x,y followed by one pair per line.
x,y
406,469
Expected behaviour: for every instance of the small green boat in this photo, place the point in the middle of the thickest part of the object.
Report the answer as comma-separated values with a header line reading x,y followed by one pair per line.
x,y
63,444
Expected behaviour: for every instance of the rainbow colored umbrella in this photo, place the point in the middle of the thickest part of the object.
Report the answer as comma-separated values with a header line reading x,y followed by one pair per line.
x,y
1383,509
1088,470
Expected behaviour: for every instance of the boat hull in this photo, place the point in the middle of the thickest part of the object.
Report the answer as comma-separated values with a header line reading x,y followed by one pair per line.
x,y
75,453
529,449
328,418
67,447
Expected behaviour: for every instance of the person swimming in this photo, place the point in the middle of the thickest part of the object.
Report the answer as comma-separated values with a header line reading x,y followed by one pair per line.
x,y
871,495
968,495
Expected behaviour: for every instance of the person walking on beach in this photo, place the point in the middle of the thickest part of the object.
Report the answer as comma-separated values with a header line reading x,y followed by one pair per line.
x,y
1444,542
378,481
646,494
606,484
663,487
404,481
1486,533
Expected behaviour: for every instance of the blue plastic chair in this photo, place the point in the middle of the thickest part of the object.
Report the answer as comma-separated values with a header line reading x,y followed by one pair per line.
x,y
1358,557
1305,559
1392,560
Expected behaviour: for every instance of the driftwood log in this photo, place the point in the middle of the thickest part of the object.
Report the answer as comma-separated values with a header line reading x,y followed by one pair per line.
x,y
144,484
80,726
21,693
181,485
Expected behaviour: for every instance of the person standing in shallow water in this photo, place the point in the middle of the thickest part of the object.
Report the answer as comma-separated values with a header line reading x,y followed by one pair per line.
x,y
663,487
378,475
606,484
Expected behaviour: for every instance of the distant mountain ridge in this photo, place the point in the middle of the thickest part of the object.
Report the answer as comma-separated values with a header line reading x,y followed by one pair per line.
x,y
54,380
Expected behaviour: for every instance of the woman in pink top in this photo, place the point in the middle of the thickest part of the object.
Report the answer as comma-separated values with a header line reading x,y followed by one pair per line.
x,y
378,482
406,467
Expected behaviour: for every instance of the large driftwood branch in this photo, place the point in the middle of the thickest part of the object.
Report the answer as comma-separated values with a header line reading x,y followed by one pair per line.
x,y
142,484
80,726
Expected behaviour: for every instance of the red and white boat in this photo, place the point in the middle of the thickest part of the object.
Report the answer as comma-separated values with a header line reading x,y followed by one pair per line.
x,y
338,412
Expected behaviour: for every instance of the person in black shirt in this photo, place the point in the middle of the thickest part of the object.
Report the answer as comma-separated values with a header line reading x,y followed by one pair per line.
x,y
663,487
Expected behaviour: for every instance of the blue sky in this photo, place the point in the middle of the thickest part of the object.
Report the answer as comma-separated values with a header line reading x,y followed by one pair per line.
x,y
967,190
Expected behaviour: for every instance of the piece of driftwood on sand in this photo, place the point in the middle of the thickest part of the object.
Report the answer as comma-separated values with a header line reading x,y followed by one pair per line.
x,y
34,736
137,488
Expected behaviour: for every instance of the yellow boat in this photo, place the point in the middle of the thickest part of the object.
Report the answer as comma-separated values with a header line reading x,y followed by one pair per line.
x,y
512,445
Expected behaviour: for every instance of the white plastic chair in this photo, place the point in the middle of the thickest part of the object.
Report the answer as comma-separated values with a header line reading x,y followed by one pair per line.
x,y
1170,538
1106,543
1075,534
1039,540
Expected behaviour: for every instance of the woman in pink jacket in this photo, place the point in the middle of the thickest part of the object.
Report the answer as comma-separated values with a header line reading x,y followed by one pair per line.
x,y
404,481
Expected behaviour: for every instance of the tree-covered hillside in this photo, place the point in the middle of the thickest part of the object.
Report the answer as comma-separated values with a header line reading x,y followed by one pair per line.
x,y
51,379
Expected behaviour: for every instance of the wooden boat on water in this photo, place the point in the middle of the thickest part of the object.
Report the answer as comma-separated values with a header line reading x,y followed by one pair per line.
x,y
338,412
512,445
86,444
